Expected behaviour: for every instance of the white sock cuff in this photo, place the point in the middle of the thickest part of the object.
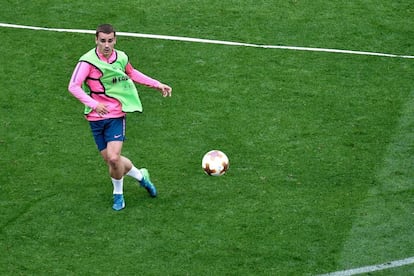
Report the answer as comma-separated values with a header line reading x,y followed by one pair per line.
x,y
135,173
118,185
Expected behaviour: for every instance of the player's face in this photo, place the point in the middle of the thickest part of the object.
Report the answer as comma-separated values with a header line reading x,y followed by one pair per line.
x,y
105,43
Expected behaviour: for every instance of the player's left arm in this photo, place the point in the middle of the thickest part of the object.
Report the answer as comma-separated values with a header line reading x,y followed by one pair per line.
x,y
143,79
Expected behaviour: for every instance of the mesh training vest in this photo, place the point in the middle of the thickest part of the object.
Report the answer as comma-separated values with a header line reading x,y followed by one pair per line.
x,y
115,81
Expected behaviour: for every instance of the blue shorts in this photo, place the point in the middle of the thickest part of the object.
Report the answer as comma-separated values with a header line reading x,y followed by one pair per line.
x,y
108,130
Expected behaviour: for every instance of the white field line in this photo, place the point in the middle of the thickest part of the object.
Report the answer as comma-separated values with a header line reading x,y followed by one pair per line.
x,y
372,268
209,41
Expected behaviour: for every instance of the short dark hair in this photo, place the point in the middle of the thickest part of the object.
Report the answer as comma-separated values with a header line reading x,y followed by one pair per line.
x,y
106,29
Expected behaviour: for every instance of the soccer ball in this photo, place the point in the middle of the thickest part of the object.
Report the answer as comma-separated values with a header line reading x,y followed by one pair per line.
x,y
215,163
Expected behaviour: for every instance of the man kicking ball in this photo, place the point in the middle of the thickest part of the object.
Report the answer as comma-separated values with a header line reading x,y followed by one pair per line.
x,y
103,80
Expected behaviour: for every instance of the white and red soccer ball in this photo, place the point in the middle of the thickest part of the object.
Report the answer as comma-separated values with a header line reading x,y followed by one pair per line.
x,y
215,163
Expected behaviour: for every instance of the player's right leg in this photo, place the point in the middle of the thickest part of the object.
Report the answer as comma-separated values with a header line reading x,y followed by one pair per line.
x,y
104,132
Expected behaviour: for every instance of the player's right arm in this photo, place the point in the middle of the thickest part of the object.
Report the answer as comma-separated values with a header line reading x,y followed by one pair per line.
x,y
79,75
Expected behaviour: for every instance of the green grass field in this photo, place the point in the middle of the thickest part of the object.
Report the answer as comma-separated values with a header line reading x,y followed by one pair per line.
x,y
321,144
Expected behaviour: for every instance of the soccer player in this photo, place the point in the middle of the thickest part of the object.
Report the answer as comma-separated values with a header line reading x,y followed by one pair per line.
x,y
103,80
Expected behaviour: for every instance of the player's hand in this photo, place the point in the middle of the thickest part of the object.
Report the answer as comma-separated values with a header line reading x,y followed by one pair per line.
x,y
165,90
101,109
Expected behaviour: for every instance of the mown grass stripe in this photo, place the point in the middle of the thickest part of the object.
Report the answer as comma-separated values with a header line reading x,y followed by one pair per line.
x,y
383,213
